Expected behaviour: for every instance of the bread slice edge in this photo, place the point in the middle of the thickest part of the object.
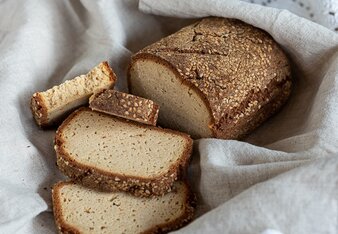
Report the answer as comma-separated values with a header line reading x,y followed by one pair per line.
x,y
150,121
61,224
64,227
38,103
107,181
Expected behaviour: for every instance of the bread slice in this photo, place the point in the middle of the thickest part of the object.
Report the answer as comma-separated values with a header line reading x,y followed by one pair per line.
x,y
111,153
78,209
50,106
216,78
125,105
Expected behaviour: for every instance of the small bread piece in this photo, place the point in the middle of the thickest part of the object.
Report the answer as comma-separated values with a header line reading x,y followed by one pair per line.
x,y
125,105
216,78
78,209
50,106
112,153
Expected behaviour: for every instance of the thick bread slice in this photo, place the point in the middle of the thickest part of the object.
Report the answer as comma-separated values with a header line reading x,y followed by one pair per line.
x,y
50,106
83,210
111,153
216,78
125,105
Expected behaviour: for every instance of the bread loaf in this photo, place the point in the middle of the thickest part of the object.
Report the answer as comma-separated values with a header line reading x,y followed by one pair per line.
x,y
50,106
82,210
110,153
216,78
125,105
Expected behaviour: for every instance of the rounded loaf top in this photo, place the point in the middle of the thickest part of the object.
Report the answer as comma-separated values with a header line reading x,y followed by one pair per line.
x,y
239,71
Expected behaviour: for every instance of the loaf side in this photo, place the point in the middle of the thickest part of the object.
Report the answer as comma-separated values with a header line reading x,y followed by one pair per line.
x,y
233,68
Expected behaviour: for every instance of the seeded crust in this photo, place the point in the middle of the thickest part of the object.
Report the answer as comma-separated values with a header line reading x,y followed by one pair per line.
x,y
39,110
65,228
125,105
107,181
238,70
39,101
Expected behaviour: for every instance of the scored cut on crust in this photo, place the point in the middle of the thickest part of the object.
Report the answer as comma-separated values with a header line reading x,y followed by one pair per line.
x,y
110,153
216,78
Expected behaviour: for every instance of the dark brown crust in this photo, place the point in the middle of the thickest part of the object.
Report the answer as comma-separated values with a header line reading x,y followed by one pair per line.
x,y
40,110
61,224
65,228
196,55
111,74
154,115
125,105
107,181
181,221
169,65
270,100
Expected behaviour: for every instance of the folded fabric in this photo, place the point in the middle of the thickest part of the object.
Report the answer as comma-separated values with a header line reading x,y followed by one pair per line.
x,y
237,180
282,179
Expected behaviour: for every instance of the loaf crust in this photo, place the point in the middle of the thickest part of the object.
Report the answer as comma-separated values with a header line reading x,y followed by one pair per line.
x,y
65,228
238,70
125,105
100,179
39,101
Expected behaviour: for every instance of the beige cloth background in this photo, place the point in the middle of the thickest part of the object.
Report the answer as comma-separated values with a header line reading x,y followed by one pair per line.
x,y
283,179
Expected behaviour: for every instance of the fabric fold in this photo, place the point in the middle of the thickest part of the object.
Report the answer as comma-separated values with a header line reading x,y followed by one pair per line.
x,y
283,177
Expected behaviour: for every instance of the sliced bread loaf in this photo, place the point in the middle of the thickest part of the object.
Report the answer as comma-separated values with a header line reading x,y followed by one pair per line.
x,y
216,78
50,106
82,210
111,153
125,105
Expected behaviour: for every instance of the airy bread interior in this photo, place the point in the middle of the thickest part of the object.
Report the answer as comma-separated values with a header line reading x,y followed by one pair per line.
x,y
77,88
91,211
114,145
181,106
61,99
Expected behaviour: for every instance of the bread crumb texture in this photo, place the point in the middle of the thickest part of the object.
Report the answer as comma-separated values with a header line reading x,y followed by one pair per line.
x,y
48,106
110,153
82,210
239,71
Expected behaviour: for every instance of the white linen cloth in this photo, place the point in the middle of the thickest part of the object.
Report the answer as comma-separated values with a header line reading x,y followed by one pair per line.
x,y
323,12
283,179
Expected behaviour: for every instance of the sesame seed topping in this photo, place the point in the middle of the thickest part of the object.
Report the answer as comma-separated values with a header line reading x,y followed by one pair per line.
x,y
233,64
